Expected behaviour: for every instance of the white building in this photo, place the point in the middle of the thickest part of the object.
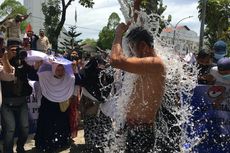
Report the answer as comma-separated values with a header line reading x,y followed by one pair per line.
x,y
184,39
36,19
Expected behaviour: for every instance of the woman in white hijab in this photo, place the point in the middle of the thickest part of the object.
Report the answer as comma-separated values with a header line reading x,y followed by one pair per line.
x,y
57,86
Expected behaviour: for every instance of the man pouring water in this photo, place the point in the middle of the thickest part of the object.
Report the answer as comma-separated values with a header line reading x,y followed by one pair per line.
x,y
148,90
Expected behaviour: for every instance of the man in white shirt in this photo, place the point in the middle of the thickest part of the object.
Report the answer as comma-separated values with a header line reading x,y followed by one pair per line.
x,y
43,42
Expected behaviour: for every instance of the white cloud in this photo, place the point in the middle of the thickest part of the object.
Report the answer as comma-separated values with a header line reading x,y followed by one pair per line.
x,y
95,19
180,9
105,3
91,21
179,2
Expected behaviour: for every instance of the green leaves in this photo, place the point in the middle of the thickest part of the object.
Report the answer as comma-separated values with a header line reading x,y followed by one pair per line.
x,y
11,8
113,21
217,20
72,43
55,17
106,35
86,3
156,7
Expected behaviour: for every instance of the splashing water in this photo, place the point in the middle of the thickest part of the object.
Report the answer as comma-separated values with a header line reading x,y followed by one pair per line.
x,y
176,111
173,119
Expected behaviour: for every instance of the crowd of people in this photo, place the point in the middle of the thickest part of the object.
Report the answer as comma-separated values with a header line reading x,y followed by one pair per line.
x,y
214,66
65,83
30,40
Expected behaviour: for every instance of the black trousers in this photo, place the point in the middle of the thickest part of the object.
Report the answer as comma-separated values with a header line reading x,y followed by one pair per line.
x,y
96,129
140,138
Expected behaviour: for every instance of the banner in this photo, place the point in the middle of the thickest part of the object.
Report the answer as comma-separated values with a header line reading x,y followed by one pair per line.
x,y
210,121
211,118
34,102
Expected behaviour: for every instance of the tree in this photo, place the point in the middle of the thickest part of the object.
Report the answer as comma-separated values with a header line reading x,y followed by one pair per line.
x,y
72,43
216,21
153,6
89,47
113,21
55,13
90,42
156,7
87,3
10,8
106,36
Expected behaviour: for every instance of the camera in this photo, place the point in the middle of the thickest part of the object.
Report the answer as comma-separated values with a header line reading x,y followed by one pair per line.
x,y
17,61
2,50
21,54
74,58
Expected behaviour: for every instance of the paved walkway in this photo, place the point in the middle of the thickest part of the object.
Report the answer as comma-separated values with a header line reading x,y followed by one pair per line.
x,y
78,143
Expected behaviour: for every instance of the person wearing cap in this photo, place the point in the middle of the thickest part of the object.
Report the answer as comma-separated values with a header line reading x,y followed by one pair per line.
x,y
219,106
220,50
12,25
14,98
43,43
6,71
6,74
221,72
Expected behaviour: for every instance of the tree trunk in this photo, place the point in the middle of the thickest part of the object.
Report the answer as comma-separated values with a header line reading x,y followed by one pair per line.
x,y
58,30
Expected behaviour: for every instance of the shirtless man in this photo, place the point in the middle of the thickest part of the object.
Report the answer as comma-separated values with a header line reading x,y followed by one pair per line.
x,y
149,87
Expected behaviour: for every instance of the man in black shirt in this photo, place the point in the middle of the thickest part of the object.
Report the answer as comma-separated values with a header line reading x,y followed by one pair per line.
x,y
14,99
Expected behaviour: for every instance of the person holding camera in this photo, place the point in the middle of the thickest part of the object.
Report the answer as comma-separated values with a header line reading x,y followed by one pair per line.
x,y
14,98
6,70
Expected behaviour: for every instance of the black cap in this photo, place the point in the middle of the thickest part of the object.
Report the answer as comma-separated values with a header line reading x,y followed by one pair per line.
x,y
14,42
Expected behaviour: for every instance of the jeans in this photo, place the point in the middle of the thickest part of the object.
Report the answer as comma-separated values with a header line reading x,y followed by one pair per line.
x,y
12,117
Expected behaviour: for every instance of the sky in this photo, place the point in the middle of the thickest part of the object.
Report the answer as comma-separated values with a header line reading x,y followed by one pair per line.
x,y
91,21
95,19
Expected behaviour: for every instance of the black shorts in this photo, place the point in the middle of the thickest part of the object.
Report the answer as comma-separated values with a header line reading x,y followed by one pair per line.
x,y
96,129
140,138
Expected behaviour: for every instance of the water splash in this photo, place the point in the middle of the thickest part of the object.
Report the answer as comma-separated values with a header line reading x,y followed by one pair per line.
x,y
176,111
